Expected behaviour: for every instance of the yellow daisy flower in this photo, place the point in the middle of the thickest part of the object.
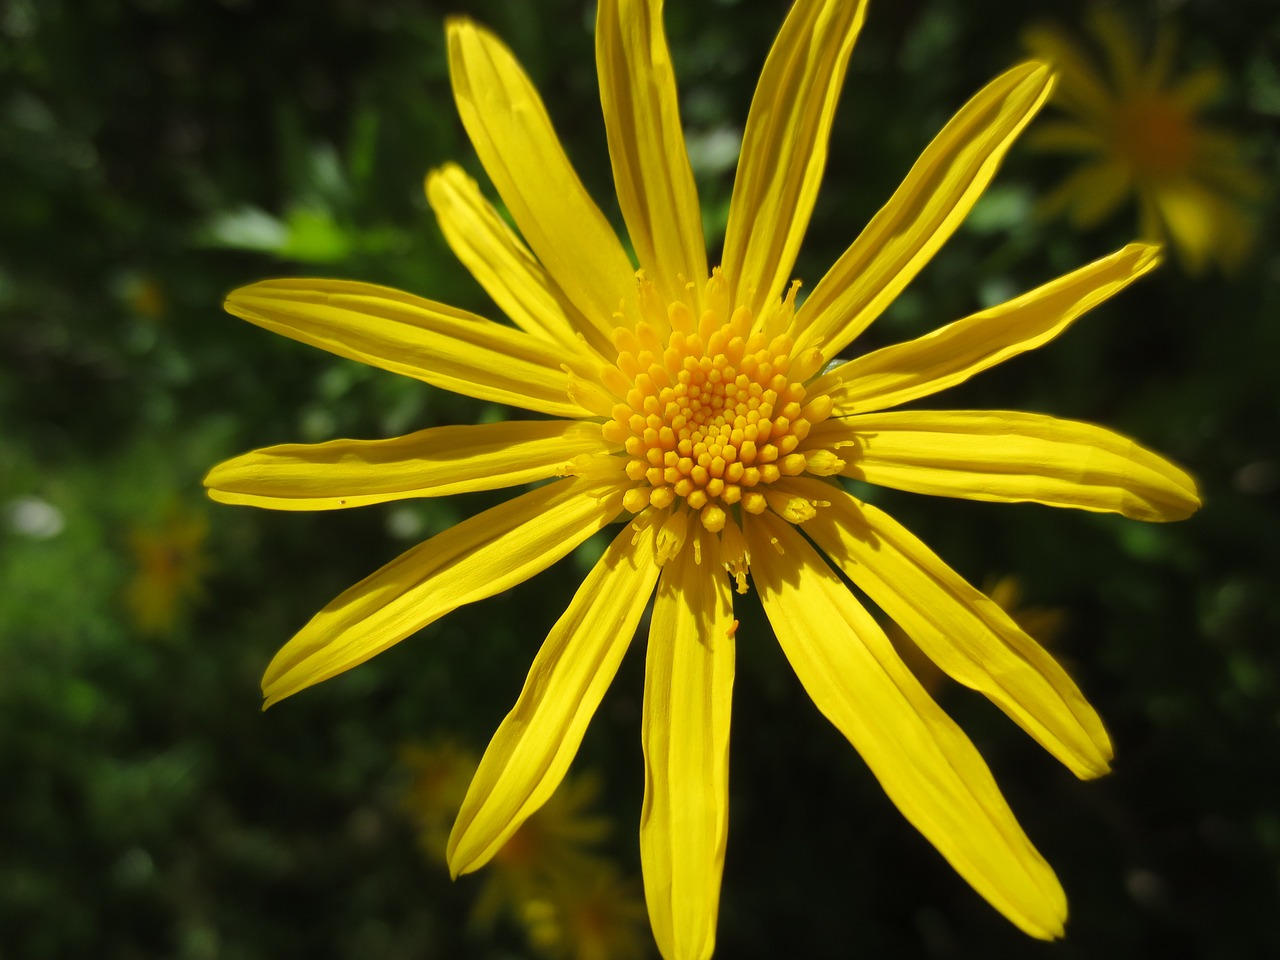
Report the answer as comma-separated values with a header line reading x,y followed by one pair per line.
x,y
1138,130
693,405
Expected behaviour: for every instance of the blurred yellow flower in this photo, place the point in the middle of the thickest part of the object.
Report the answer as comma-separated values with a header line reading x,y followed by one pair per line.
x,y
170,566
1137,127
594,914
549,878
146,297
692,404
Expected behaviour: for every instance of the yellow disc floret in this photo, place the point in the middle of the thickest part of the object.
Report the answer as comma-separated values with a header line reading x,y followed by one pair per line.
x,y
713,414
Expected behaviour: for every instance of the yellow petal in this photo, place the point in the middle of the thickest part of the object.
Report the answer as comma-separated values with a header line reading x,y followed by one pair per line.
x,y
950,355
784,147
418,338
1120,46
535,744
931,202
688,688
1199,88
927,766
1065,136
512,134
500,261
646,145
1007,456
1194,219
1081,89
963,632
1089,194
429,463
472,560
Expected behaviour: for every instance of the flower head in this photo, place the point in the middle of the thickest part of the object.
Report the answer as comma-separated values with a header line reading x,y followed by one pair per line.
x,y
694,405
1136,127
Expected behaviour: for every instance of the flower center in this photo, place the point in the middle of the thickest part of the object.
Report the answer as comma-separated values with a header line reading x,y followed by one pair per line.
x,y
1156,134
715,410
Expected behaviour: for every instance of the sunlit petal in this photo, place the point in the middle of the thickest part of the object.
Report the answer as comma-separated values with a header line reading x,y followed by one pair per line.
x,y
646,145
418,338
784,147
429,463
477,558
959,629
1008,456
535,744
924,211
499,260
952,354
926,764
511,132
688,690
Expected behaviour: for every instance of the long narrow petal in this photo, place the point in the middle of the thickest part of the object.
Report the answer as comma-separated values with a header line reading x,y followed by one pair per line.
x,y
651,169
499,260
537,741
688,689
927,766
784,147
966,634
478,558
935,197
1065,136
418,338
1081,88
429,463
1008,456
512,134
952,354
1090,194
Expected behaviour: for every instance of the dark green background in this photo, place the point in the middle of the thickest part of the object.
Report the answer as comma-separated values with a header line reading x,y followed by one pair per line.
x,y
148,809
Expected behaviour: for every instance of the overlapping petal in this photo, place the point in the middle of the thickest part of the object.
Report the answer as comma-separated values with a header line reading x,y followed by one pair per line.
x,y
1008,456
430,463
926,764
954,353
688,689
651,169
500,261
477,558
784,147
534,745
512,134
418,338
967,635
925,210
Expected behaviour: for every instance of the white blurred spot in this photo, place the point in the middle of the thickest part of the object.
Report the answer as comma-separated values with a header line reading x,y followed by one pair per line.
x,y
34,518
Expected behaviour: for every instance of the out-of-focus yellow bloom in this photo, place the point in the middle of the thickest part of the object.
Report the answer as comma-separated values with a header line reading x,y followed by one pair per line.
x,y
145,296
170,567
1137,127
549,878
595,914
440,773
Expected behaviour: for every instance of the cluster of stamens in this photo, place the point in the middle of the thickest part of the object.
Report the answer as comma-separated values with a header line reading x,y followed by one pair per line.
x,y
713,412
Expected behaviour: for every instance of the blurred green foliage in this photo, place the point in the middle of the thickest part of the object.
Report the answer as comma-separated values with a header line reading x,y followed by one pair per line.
x,y
156,153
